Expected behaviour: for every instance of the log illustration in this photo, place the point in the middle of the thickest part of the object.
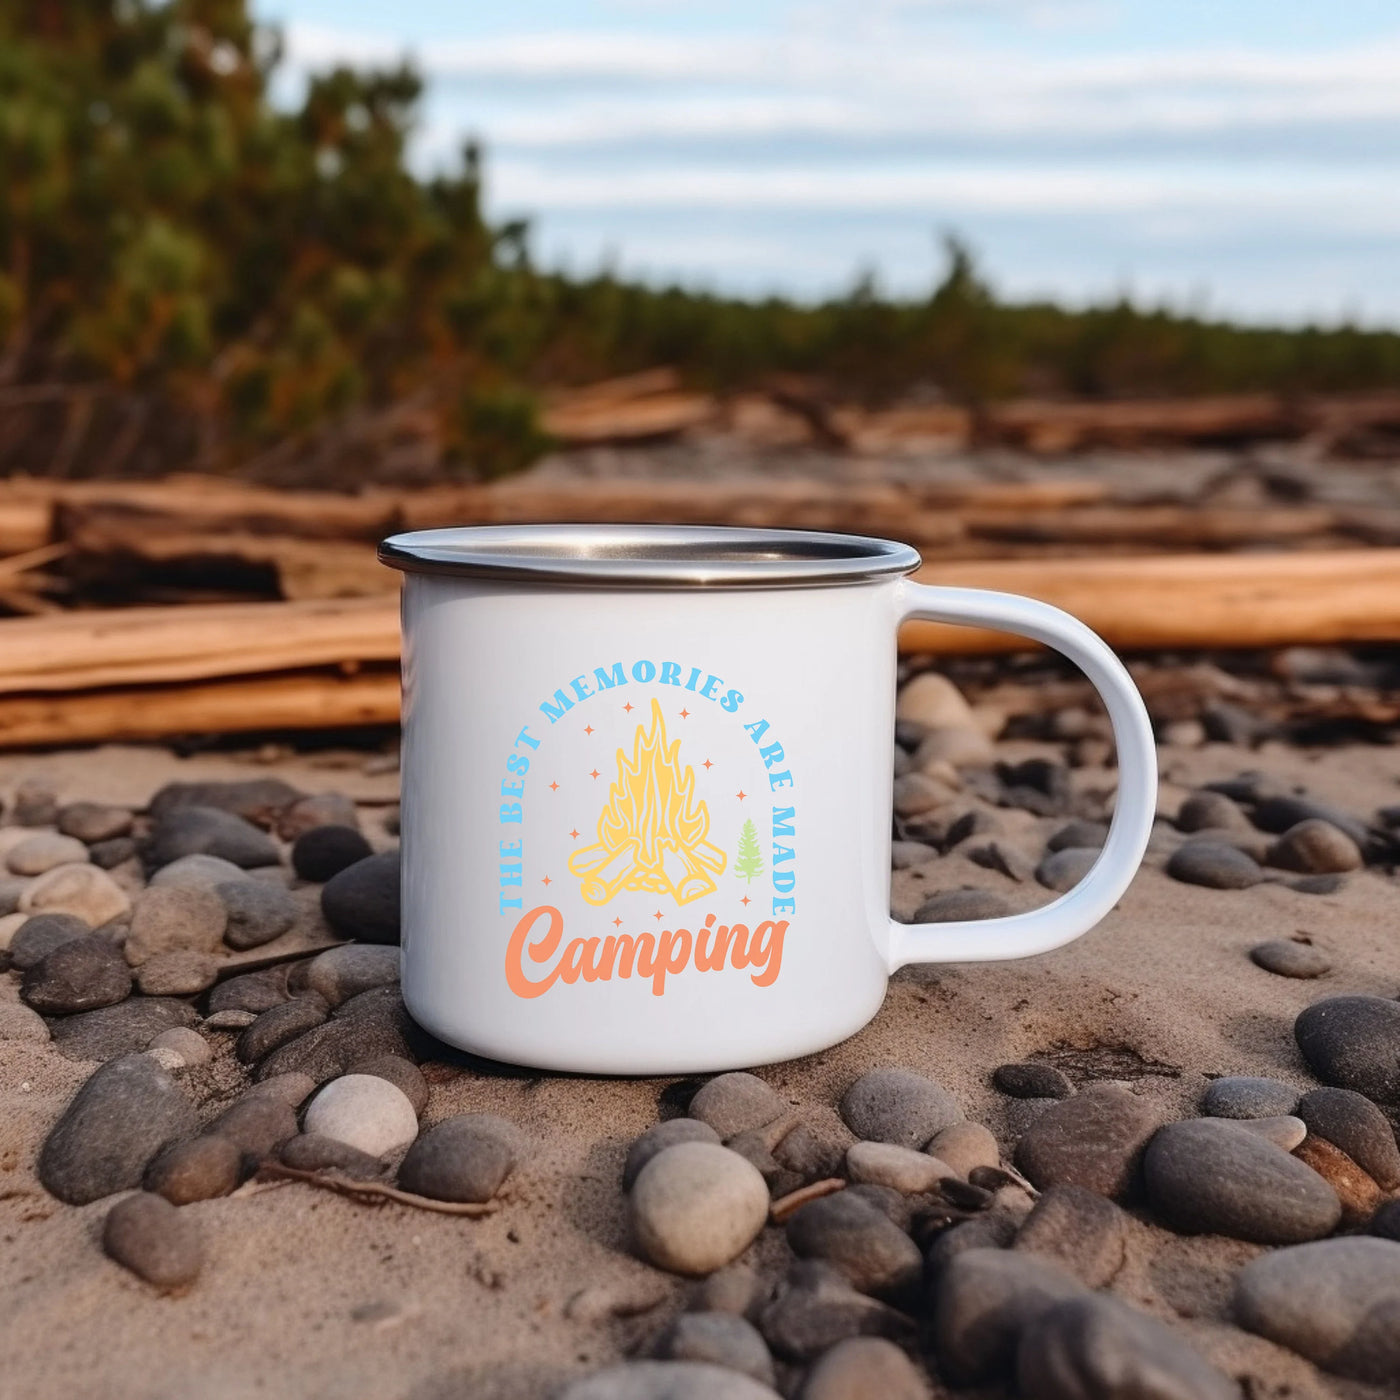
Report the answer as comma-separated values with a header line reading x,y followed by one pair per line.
x,y
652,834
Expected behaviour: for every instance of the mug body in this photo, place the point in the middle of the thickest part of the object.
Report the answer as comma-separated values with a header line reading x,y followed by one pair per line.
x,y
645,830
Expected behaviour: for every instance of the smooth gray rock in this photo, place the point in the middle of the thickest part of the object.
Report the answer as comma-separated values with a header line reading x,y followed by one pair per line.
x,y
190,830
403,1074
1095,1140
1078,835
325,851
992,1229
93,822
80,974
1336,1302
985,1300
1315,847
201,871
1082,1231
814,1307
197,1169
43,851
290,1089
256,912
122,1029
126,1113
719,1339
1211,811
1283,1131
341,973
1095,1348
1214,865
464,1158
1286,958
735,1102
320,809
38,936
257,800
157,1242
167,917
363,901
899,1106
107,855
658,1138
735,1289
1248,1096
257,1124
373,1023
280,1025
309,1152
1212,1176
667,1380
1350,1121
1062,870
905,855
874,1254
1353,1042
1031,1080
364,1111
253,991
953,906
35,803
865,1368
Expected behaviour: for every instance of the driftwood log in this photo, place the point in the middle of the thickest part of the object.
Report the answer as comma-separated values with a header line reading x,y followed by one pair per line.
x,y
144,673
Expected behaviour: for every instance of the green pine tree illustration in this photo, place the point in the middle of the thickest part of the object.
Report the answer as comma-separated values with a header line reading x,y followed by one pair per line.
x,y
749,861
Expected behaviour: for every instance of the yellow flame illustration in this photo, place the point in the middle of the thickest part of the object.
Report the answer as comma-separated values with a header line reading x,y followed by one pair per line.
x,y
651,835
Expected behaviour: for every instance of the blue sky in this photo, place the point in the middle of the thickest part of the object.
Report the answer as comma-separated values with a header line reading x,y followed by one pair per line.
x,y
1234,156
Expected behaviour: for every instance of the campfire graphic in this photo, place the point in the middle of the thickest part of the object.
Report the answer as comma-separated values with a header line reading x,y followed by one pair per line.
x,y
651,835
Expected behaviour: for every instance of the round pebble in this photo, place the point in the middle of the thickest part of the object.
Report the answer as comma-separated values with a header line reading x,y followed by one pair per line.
x,y
256,912
932,701
1063,870
1078,835
1287,958
864,1368
365,1112
734,1103
696,1207
963,1147
403,1074
93,822
658,1138
847,1231
719,1338
1095,1140
466,1158
107,855
1353,1042
363,900
1211,811
1214,865
1335,1302
198,1169
1211,1176
165,918
40,934
258,1124
667,1380
898,1106
78,975
1353,1123
1030,1080
203,871
341,973
325,851
813,1307
1248,1096
253,991
155,1240
83,890
1315,847
179,972
197,830
35,803
1283,1130
188,1044
1098,1347
900,1168
955,906
1080,1230
309,1152
43,851
320,809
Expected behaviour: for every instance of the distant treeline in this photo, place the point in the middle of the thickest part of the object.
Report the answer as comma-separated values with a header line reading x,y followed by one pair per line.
x,y
192,277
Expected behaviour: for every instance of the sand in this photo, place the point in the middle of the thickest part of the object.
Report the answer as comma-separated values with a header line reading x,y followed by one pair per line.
x,y
308,1295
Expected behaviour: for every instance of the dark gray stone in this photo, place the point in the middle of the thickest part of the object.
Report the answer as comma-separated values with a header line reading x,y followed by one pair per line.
x,y
802,1152
197,1169
311,1152
1095,1348
1212,1176
720,1339
373,1023
986,1298
157,1242
189,831
466,1158
993,1229
80,974
1286,958
1080,1230
38,936
257,1124
1095,1140
362,902
128,1026
35,803
1278,813
1004,859
107,855
954,906
126,1113
257,800
1386,1221
814,1307
975,822
1354,1043
865,1368
1063,870
735,1102
658,1138
874,1254
1211,811
253,991
258,912
1078,835
93,822
899,1106
403,1074
202,872
1214,865
1336,1302
341,973
1030,1080
281,1024
325,851
1350,1121
1248,1096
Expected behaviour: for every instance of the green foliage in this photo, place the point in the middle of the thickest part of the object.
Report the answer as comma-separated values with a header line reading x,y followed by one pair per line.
x,y
748,861
219,280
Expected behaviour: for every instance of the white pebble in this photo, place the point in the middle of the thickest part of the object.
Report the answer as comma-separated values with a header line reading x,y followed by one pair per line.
x,y
43,851
363,1111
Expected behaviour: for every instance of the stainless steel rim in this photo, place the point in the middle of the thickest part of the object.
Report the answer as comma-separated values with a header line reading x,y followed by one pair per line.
x,y
649,556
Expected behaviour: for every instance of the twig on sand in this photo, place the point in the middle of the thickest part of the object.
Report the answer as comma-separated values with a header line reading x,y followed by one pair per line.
x,y
375,1192
784,1206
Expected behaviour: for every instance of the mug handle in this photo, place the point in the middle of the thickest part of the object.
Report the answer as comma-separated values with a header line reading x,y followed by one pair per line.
x,y
1077,911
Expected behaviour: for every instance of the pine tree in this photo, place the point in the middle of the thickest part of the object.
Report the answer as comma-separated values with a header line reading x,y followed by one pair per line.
x,y
749,861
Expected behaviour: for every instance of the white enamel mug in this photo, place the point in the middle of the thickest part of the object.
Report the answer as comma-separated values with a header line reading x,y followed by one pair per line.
x,y
647,790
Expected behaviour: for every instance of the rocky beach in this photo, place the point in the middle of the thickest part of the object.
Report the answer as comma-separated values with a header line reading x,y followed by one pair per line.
x,y
1159,1162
